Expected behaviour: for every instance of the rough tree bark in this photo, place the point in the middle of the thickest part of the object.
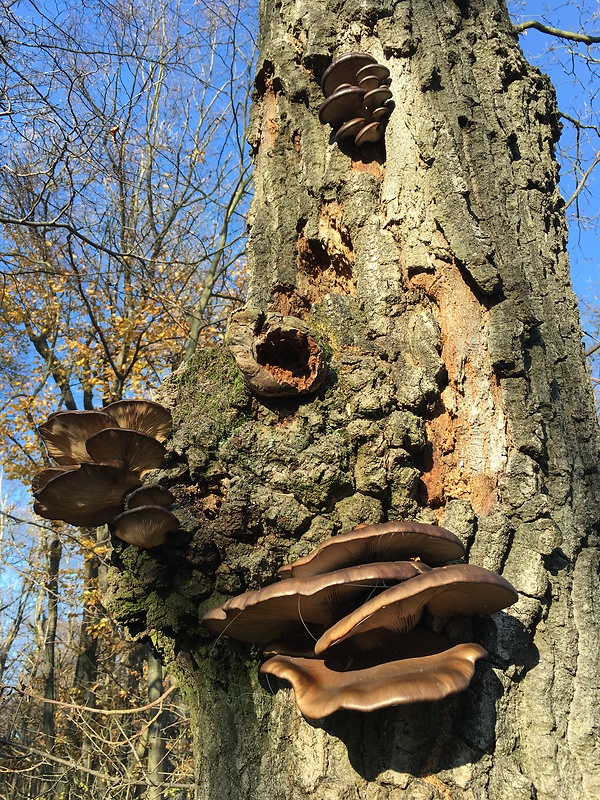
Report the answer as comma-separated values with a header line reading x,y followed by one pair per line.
x,y
432,272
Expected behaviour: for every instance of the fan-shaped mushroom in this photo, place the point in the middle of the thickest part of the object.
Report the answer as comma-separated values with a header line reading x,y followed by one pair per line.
x,y
322,687
353,91
143,416
40,479
344,71
455,590
87,496
66,432
350,129
378,654
138,452
375,98
145,526
371,75
370,133
387,541
151,494
313,604
342,105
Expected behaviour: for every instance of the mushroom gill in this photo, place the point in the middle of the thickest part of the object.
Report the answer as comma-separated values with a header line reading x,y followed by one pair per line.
x,y
86,496
455,590
144,526
143,416
138,452
66,432
150,494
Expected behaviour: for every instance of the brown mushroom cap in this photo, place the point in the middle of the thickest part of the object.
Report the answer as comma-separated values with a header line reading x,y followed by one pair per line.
x,y
137,451
65,434
458,589
345,104
321,688
143,416
145,526
376,97
370,133
388,541
87,496
312,604
380,113
344,70
151,494
350,129
375,71
40,479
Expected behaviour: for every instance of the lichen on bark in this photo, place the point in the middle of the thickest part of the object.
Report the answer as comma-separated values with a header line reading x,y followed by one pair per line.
x,y
433,271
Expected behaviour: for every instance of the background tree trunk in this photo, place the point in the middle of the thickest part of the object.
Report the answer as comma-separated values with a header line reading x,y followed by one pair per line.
x,y
433,272
49,662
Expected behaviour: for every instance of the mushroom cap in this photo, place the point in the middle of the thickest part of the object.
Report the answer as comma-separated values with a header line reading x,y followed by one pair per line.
x,y
65,434
151,494
87,496
350,129
321,687
299,604
376,97
387,541
380,113
137,451
368,82
379,72
145,526
143,416
345,104
370,133
344,70
458,589
40,479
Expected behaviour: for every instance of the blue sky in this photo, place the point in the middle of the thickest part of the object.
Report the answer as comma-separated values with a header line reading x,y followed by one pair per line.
x,y
578,91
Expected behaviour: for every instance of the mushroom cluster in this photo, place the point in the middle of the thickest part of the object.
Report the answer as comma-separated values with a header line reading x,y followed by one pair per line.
x,y
102,456
356,98
344,625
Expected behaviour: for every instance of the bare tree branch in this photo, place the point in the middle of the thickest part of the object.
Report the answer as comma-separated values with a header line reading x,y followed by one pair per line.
x,y
560,34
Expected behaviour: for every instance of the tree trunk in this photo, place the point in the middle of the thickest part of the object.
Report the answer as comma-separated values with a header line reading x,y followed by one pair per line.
x,y
431,272
86,667
49,662
157,750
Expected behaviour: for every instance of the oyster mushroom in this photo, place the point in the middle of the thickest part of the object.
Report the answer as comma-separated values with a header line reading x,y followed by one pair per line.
x,y
151,494
286,608
86,496
387,541
355,98
344,70
345,104
66,432
143,416
455,590
421,667
145,526
138,452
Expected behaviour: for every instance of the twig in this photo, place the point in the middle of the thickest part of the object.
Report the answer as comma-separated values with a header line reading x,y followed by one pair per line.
x,y
581,183
570,35
592,350
89,709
